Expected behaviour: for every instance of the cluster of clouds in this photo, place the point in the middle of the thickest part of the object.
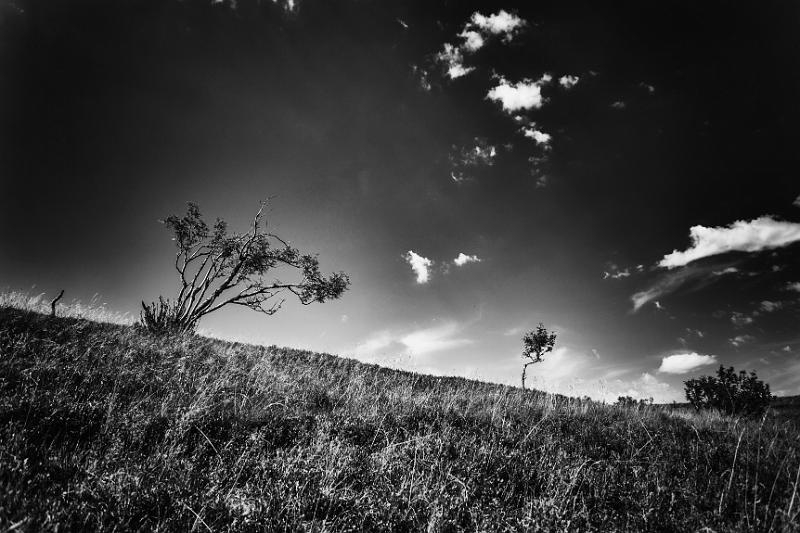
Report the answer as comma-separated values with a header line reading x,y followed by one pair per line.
x,y
422,267
614,272
514,97
477,31
479,153
740,319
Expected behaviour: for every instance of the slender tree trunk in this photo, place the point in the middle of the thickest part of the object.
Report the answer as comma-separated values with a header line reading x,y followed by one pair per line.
x,y
54,302
524,369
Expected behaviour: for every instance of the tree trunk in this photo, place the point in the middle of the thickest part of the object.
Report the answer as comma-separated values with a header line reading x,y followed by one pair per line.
x,y
524,369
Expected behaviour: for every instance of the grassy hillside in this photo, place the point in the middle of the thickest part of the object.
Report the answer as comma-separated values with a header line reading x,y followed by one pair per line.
x,y
103,427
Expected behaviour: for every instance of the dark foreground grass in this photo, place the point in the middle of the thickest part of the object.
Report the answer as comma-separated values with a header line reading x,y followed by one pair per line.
x,y
103,427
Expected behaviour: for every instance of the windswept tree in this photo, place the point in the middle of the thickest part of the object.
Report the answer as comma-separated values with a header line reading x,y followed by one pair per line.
x,y
537,343
217,268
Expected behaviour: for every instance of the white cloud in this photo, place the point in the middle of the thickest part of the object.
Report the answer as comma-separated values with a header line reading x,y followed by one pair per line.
x,y
763,233
436,339
619,104
793,286
463,259
473,41
501,23
650,89
796,202
541,138
740,319
568,81
685,362
453,59
614,272
741,339
526,94
420,265
729,270
768,307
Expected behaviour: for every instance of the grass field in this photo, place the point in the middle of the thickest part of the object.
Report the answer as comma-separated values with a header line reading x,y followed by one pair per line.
x,y
103,427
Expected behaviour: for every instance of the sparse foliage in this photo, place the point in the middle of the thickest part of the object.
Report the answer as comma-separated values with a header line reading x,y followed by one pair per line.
x,y
537,343
217,268
730,392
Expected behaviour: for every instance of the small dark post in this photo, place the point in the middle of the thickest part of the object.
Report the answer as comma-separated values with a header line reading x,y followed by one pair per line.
x,y
54,302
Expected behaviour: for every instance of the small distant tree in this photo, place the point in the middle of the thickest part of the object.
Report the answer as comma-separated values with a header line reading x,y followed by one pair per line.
x,y
217,268
630,402
730,392
536,344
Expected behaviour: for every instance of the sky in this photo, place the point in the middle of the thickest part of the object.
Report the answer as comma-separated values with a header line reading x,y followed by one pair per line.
x,y
623,172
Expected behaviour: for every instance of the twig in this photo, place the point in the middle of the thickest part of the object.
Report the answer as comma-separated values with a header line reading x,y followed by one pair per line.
x,y
733,469
198,517
794,493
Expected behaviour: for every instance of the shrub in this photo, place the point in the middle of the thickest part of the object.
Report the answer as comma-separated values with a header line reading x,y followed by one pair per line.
x,y
730,392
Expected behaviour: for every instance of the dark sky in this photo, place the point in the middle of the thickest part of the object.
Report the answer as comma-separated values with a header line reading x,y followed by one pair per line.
x,y
568,146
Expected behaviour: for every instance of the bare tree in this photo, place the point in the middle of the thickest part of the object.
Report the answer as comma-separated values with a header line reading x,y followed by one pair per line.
x,y
537,343
216,269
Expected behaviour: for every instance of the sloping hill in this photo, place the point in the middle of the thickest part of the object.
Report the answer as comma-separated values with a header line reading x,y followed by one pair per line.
x,y
103,427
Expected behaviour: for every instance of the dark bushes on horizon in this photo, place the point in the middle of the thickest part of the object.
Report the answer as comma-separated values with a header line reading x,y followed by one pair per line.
x,y
730,392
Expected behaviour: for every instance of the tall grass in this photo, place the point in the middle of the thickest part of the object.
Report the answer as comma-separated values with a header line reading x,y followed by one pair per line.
x,y
103,427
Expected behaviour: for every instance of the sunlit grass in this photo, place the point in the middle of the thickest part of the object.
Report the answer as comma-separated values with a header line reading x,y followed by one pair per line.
x,y
103,426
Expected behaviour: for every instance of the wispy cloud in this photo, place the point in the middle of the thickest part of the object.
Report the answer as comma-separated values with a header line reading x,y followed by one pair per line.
x,y
463,259
649,88
739,340
666,284
684,363
796,202
614,272
793,286
453,60
525,94
478,153
763,233
420,265
768,306
436,339
415,342
741,319
724,271
619,104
